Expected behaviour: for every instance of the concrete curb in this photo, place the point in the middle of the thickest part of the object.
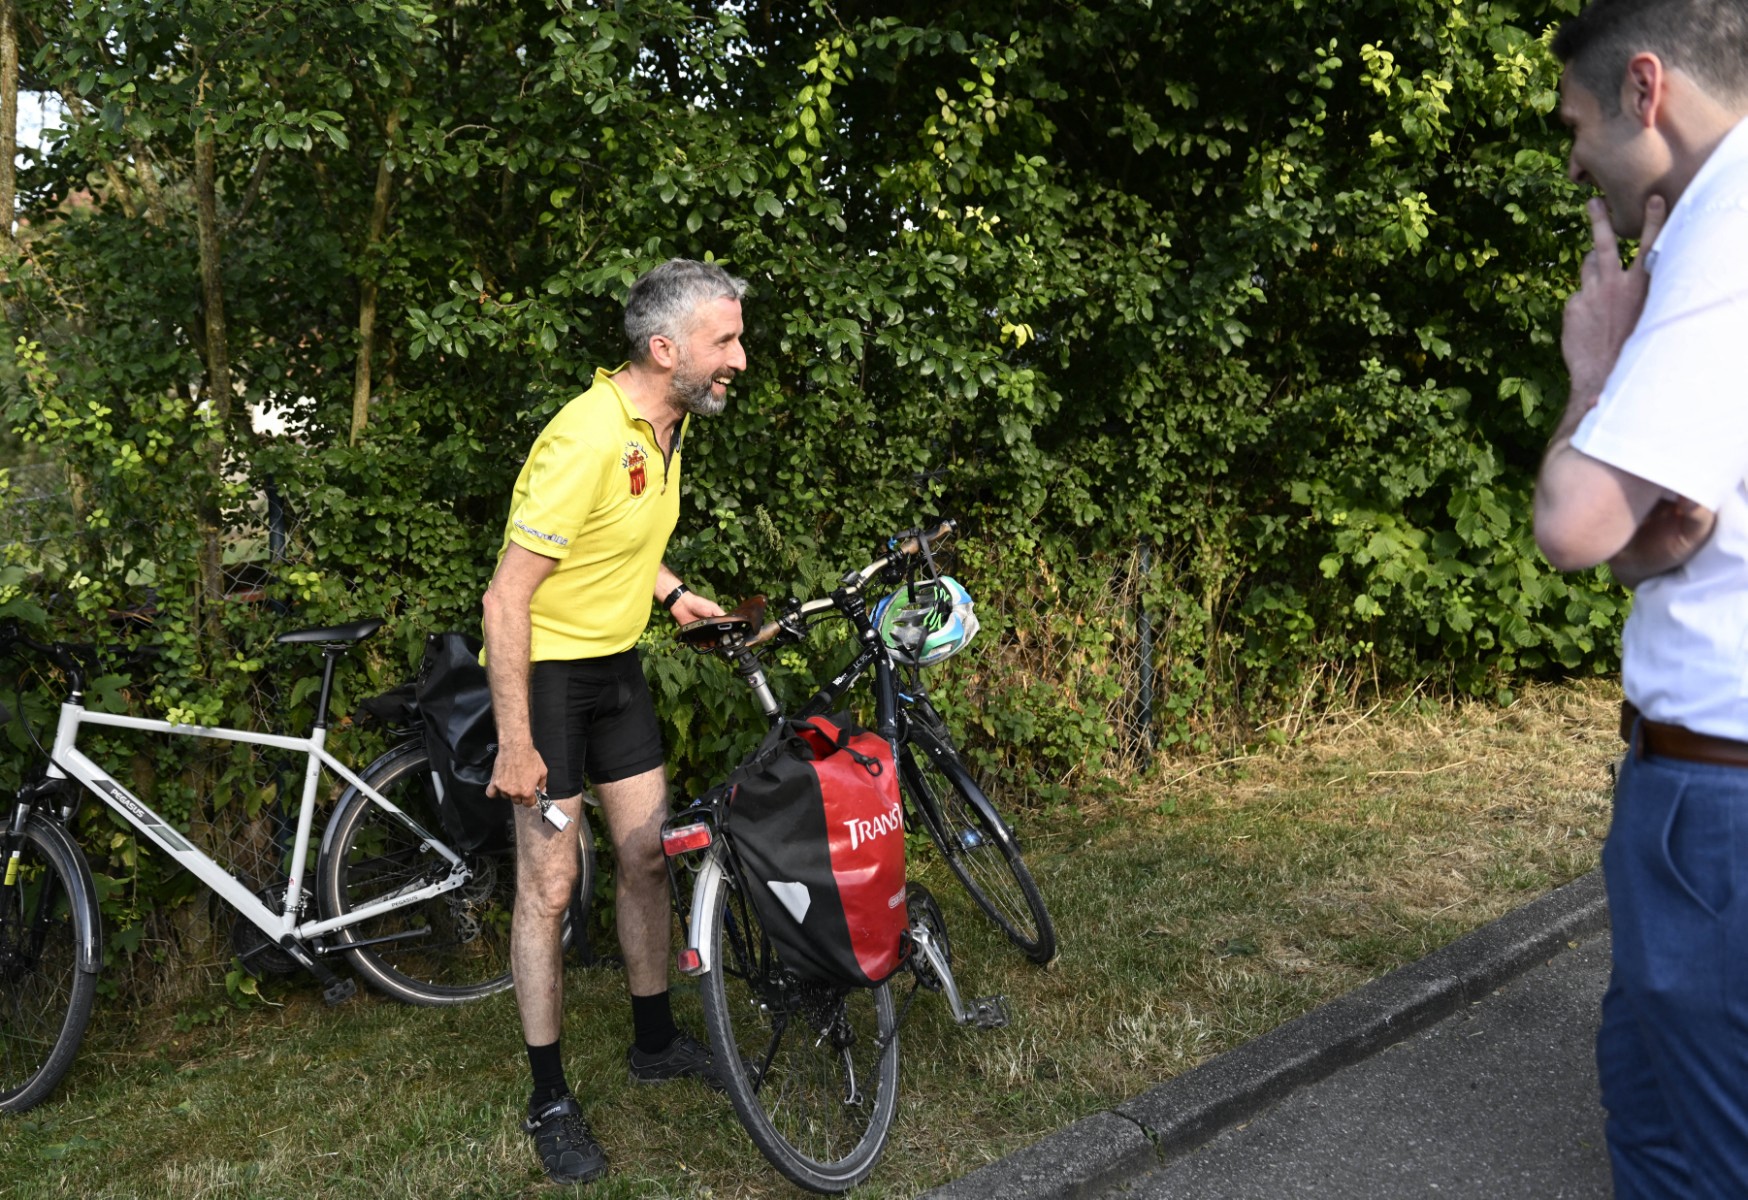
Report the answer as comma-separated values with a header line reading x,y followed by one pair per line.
x,y
1092,1155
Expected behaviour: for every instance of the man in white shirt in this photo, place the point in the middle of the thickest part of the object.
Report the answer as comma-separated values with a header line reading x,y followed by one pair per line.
x,y
1646,473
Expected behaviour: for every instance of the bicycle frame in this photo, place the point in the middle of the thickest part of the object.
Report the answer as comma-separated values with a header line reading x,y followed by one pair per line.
x,y
825,1134
714,872
68,761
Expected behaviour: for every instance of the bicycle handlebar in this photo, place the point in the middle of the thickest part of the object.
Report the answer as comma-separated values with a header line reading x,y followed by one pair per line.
x,y
903,548
59,653
907,545
919,540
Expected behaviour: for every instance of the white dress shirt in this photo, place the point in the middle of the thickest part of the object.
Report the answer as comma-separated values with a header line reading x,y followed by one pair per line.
x,y
1674,412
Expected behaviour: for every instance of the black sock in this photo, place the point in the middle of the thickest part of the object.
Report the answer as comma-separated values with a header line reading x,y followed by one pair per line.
x,y
652,1020
548,1066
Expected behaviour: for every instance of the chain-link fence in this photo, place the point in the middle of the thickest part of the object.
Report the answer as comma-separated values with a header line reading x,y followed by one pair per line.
x,y
1067,685
33,503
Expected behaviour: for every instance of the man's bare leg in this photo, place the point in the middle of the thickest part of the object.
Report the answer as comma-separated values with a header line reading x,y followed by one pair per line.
x,y
546,879
660,1051
635,809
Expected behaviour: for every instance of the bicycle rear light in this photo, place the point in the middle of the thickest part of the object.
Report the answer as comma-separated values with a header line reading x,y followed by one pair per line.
x,y
689,961
683,839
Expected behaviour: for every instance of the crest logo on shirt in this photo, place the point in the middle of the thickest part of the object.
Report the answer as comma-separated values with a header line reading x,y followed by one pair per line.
x,y
633,462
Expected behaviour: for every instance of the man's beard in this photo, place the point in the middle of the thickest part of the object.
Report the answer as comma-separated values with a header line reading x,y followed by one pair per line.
x,y
696,392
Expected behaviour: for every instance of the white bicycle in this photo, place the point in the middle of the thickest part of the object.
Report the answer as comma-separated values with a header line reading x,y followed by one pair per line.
x,y
421,920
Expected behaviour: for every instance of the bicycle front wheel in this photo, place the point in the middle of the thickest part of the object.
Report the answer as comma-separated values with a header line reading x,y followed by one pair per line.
x,y
976,842
450,948
50,951
812,1070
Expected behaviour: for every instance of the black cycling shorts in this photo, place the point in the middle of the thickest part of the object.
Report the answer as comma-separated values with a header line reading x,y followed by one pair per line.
x,y
593,719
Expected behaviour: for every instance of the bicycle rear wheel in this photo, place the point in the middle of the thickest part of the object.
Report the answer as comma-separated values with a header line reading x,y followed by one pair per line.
x,y
812,1070
50,952
977,844
448,949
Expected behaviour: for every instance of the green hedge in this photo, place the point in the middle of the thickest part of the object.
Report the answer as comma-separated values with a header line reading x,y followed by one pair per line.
x,y
1264,296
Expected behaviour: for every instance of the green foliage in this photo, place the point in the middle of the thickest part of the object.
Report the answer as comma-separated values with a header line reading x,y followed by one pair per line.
x,y
1271,290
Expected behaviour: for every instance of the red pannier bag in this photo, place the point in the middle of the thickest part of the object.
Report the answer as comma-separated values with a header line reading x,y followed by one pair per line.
x,y
815,822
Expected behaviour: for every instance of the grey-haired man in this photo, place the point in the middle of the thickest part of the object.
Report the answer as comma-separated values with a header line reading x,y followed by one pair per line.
x,y
581,561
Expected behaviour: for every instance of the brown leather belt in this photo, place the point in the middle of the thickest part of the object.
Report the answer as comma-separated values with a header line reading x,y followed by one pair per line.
x,y
1657,740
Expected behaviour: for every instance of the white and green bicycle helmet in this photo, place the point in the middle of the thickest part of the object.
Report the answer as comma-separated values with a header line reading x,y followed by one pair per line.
x,y
926,622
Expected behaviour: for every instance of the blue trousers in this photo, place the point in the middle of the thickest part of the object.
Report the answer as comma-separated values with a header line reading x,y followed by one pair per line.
x,y
1673,1049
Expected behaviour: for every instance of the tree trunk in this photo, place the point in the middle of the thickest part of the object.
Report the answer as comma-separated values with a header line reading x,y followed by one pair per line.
x,y
8,118
199,924
218,381
147,175
367,281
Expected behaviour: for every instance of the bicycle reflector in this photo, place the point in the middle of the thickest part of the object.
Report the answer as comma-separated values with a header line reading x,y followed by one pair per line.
x,y
683,839
924,623
689,961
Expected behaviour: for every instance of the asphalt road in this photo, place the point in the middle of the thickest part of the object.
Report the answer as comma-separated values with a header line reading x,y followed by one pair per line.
x,y
1498,1099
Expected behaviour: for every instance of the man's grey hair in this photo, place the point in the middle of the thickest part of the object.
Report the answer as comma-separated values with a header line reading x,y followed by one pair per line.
x,y
1707,39
665,300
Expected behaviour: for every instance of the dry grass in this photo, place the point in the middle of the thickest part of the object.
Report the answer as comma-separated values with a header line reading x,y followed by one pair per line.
x,y
1198,908
1451,784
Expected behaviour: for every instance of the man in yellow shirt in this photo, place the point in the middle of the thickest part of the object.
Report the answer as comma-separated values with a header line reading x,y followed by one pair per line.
x,y
581,562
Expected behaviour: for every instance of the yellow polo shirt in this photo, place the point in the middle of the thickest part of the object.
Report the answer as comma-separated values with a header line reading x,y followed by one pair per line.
x,y
596,496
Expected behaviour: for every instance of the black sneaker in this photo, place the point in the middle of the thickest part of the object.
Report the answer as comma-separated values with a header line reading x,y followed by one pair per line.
x,y
568,1152
685,1058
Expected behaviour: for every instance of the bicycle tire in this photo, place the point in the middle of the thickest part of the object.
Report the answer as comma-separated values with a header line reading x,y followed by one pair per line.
x,y
796,1058
979,847
50,952
463,951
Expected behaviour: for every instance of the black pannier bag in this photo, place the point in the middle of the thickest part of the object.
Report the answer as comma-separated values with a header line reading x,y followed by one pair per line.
x,y
455,701
815,821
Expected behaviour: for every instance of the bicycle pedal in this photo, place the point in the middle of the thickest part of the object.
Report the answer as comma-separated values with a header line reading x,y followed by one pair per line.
x,y
990,1012
340,991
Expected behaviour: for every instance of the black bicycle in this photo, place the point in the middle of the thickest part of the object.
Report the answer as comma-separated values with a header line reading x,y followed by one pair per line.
x,y
812,1069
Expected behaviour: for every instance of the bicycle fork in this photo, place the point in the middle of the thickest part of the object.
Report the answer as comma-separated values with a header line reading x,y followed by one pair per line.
x,y
20,945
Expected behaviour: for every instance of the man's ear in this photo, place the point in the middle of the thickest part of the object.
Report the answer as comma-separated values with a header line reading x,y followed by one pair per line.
x,y
1643,88
664,352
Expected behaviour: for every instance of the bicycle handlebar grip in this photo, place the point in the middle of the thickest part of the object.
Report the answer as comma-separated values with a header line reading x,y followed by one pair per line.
x,y
913,543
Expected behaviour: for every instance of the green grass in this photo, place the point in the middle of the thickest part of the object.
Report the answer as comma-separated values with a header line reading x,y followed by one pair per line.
x,y
1201,908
